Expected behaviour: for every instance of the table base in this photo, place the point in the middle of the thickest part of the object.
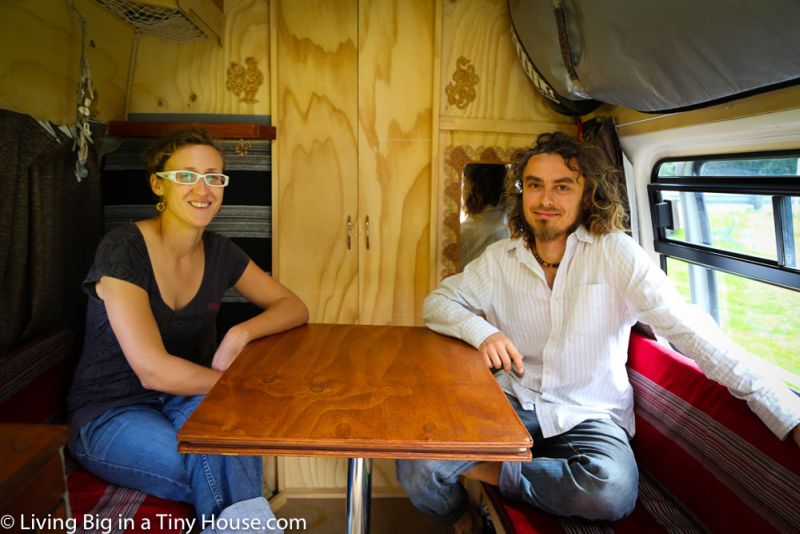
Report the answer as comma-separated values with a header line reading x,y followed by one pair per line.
x,y
359,489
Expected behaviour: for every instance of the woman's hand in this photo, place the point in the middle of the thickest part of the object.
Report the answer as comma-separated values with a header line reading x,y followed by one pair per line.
x,y
498,351
230,348
282,310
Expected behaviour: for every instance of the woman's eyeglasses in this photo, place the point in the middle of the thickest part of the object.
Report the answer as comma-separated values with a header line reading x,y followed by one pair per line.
x,y
191,178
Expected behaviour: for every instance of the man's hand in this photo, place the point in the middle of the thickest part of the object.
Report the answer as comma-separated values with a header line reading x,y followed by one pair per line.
x,y
498,351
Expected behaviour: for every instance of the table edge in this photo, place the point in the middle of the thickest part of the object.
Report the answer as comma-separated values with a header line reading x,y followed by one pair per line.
x,y
513,454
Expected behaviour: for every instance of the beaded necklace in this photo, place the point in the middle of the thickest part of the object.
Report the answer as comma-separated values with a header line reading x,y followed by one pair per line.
x,y
542,262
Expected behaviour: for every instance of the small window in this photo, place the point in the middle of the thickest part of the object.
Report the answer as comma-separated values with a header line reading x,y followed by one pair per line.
x,y
735,223
761,318
766,165
728,228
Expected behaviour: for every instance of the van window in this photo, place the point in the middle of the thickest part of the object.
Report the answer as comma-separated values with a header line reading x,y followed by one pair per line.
x,y
728,229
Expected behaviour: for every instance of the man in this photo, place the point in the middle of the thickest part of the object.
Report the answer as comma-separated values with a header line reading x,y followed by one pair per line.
x,y
553,307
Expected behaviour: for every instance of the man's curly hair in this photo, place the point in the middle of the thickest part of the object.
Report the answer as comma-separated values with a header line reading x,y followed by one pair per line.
x,y
604,209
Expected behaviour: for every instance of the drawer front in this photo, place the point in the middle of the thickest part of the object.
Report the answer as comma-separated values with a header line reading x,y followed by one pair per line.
x,y
41,494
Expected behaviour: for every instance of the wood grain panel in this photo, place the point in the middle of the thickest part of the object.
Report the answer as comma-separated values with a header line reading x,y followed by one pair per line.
x,y
317,155
479,30
31,468
40,50
174,77
309,476
395,101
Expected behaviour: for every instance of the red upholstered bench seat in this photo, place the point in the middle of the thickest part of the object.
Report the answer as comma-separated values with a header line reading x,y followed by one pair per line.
x,y
34,381
91,496
656,511
706,461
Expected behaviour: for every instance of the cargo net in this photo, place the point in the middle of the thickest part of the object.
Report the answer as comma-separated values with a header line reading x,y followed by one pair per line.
x,y
165,22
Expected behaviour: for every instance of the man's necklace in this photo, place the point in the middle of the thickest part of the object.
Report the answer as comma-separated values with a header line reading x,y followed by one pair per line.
x,y
542,262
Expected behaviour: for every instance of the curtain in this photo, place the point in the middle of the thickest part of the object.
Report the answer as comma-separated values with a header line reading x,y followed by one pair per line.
x,y
601,131
50,225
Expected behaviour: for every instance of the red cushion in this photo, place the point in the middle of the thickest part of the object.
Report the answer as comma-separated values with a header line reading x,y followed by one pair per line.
x,y
707,448
34,379
91,500
655,512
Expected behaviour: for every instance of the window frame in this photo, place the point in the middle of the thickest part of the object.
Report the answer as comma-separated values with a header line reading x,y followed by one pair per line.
x,y
780,188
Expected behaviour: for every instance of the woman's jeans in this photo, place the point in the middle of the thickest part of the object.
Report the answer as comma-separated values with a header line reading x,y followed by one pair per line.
x,y
136,446
588,471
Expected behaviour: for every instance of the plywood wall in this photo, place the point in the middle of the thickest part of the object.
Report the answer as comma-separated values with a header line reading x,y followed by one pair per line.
x,y
487,106
477,46
324,477
193,77
395,86
40,48
315,156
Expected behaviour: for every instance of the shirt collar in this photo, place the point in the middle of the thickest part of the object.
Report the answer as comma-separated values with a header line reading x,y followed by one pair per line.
x,y
582,234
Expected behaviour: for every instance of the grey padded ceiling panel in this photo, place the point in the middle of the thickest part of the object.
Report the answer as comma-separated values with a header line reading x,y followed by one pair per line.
x,y
660,55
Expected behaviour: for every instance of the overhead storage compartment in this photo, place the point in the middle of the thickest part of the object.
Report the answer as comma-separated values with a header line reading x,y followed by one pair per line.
x,y
173,20
656,56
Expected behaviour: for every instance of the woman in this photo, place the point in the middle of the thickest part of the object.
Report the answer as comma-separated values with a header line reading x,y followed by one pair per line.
x,y
150,350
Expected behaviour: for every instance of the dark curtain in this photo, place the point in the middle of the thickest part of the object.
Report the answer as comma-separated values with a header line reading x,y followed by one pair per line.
x,y
50,225
602,132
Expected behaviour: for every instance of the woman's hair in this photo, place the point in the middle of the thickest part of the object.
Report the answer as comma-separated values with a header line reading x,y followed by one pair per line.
x,y
162,148
604,210
483,186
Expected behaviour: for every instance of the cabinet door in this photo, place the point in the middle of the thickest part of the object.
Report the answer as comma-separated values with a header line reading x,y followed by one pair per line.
x,y
316,72
354,116
395,86
326,90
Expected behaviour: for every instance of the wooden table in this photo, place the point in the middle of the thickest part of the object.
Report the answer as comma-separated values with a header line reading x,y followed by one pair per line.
x,y
360,392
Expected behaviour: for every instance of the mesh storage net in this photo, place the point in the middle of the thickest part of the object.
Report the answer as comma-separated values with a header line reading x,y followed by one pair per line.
x,y
165,22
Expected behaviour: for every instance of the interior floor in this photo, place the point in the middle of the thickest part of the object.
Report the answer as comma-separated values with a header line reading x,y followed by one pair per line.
x,y
390,515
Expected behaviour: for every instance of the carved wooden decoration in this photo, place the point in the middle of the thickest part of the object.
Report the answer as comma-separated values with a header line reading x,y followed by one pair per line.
x,y
455,159
461,91
244,81
242,147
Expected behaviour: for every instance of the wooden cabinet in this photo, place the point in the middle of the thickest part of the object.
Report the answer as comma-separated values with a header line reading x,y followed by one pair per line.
x,y
353,102
32,473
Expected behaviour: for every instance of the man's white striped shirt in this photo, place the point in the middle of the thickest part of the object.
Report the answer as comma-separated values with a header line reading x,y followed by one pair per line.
x,y
574,338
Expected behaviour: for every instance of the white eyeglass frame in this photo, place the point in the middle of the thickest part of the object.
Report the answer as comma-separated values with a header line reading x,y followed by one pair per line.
x,y
170,175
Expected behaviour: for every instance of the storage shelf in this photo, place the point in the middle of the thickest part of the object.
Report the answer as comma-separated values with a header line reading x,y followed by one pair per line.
x,y
217,130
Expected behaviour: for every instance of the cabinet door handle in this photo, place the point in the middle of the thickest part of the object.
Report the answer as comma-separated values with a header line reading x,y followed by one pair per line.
x,y
366,229
349,230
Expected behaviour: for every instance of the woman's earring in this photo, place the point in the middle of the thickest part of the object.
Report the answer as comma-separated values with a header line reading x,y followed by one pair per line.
x,y
161,205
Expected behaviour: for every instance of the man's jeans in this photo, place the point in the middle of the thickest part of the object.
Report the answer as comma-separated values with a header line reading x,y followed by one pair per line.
x,y
136,446
588,472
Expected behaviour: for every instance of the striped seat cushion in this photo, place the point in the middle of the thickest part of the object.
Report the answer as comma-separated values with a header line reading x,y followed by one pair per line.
x,y
707,463
707,448
655,511
124,510
34,379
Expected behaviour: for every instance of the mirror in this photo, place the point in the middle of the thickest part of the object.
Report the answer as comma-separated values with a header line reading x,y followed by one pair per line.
x,y
457,159
484,215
